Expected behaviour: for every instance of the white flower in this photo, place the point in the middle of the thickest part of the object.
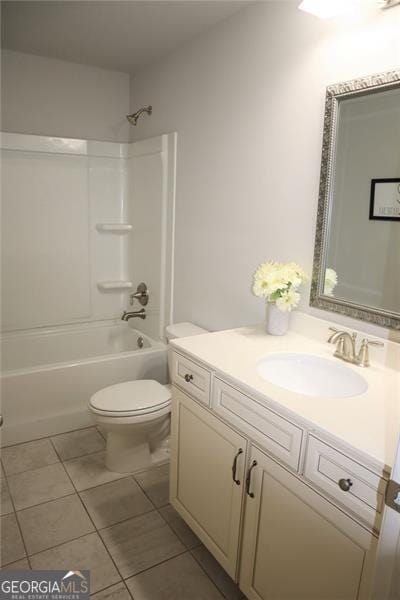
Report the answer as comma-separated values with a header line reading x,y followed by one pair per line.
x,y
288,300
273,280
330,283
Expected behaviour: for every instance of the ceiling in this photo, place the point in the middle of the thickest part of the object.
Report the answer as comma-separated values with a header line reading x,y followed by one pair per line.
x,y
114,34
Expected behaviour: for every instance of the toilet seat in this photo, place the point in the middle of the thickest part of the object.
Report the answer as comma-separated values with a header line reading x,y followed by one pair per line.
x,y
131,399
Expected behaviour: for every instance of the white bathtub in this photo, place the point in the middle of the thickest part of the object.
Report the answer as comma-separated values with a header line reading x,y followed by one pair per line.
x,y
48,376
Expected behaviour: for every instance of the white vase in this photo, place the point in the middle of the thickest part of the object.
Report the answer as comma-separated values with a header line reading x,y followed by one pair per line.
x,y
277,320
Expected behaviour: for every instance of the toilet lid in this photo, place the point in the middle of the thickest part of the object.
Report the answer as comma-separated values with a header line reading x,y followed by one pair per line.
x,y
138,397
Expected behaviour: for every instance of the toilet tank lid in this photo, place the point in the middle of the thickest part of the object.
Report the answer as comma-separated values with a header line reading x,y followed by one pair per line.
x,y
180,330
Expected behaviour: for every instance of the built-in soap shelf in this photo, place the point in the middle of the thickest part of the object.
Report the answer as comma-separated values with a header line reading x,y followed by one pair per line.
x,y
108,286
114,227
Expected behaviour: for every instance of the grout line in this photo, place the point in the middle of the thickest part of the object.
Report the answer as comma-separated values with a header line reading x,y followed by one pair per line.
x,y
46,437
161,562
101,433
108,587
177,535
144,492
127,589
209,576
101,539
146,512
20,510
34,468
98,485
79,537
16,519
63,460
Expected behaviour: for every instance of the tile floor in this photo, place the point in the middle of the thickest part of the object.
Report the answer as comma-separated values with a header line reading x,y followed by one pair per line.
x,y
61,508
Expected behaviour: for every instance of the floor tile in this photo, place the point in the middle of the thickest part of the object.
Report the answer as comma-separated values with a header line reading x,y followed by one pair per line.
x,y
217,574
12,547
141,543
19,565
78,443
89,471
115,592
178,525
101,432
31,455
155,483
178,579
53,523
6,505
40,485
115,501
85,553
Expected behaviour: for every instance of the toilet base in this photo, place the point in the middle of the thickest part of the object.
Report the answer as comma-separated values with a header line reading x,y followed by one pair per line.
x,y
135,449
124,457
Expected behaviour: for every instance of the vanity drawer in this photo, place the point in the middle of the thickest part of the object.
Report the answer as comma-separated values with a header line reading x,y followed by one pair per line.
x,y
191,377
326,467
279,437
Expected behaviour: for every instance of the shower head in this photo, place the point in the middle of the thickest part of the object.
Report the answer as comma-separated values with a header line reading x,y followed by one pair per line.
x,y
133,118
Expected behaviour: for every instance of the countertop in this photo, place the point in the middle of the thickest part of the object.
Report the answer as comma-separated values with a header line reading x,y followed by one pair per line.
x,y
368,423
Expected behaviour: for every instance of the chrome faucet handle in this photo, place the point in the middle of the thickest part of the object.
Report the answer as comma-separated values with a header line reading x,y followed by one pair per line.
x,y
363,355
141,294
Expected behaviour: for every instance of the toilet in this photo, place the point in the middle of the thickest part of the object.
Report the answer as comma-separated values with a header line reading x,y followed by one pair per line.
x,y
136,415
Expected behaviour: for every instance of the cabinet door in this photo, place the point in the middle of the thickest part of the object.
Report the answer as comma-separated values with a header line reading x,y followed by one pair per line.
x,y
203,451
297,545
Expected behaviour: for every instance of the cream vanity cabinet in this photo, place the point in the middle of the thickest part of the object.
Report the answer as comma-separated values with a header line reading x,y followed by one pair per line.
x,y
241,489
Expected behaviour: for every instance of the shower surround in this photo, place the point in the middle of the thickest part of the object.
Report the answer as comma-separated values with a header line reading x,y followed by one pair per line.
x,y
83,223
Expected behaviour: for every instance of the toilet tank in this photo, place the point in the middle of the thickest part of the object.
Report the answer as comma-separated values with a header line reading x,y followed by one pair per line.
x,y
181,330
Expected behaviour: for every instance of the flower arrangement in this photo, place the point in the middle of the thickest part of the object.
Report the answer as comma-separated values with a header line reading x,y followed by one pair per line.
x,y
278,282
330,282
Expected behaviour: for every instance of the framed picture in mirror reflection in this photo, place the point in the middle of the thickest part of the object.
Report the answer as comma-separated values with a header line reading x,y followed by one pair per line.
x,y
385,199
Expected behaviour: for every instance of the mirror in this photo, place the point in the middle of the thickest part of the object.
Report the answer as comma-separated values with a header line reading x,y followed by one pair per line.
x,y
357,246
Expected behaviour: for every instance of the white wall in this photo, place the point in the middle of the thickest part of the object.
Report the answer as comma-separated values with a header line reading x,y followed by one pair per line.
x,y
44,96
247,101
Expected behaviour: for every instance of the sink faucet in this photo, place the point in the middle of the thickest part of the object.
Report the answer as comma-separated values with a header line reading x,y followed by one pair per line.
x,y
141,314
346,347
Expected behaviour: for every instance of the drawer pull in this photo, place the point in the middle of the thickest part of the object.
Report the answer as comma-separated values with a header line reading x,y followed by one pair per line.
x,y
239,452
188,378
345,484
248,479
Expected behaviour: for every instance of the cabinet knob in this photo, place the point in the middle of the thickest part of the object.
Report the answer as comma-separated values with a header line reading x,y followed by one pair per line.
x,y
345,484
188,378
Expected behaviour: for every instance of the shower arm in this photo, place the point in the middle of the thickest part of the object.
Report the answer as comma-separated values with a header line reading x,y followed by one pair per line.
x,y
133,118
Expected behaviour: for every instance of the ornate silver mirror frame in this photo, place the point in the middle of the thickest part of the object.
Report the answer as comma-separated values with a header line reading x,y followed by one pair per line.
x,y
335,93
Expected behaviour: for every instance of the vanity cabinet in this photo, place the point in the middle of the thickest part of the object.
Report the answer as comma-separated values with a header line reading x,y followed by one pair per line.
x,y
238,479
296,544
208,462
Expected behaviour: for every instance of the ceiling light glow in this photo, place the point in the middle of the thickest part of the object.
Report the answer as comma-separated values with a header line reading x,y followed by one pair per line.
x,y
327,9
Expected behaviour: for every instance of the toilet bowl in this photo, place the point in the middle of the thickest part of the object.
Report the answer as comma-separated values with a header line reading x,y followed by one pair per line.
x,y
135,415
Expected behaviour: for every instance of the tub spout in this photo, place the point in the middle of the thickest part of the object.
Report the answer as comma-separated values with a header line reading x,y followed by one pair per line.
x,y
141,314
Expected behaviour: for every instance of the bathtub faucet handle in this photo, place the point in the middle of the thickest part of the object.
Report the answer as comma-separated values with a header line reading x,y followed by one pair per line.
x,y
141,294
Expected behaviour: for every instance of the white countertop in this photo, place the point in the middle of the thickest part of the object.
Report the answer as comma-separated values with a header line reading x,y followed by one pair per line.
x,y
369,423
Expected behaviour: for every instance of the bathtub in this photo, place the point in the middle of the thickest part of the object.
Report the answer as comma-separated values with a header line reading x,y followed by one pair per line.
x,y
48,376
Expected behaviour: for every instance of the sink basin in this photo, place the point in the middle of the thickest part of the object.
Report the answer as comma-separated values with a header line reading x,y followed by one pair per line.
x,y
311,375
